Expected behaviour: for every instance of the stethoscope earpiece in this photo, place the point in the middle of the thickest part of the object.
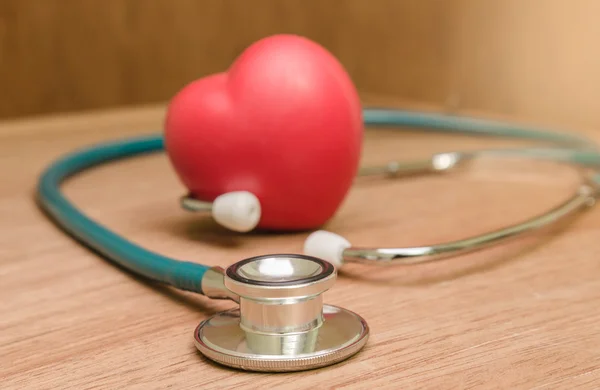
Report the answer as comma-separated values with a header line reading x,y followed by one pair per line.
x,y
326,245
282,323
239,211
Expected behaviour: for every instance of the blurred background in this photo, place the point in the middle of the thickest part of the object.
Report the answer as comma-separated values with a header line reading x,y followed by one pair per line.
x,y
537,59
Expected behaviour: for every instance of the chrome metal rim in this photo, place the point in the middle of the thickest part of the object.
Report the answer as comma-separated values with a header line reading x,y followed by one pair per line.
x,y
221,339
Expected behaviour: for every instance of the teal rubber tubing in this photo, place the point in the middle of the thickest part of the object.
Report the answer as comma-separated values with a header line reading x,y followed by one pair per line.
x,y
187,275
180,274
375,117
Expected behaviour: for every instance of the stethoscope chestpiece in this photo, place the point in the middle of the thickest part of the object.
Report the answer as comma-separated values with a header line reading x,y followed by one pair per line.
x,y
282,323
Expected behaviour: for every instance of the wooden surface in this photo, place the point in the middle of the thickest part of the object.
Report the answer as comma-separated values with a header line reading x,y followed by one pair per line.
x,y
520,316
536,58
65,55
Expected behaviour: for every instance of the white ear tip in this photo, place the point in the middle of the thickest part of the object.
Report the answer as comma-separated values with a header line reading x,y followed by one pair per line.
x,y
238,210
327,246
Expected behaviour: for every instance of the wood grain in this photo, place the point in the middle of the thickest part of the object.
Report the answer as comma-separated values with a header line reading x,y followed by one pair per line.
x,y
65,55
519,316
536,59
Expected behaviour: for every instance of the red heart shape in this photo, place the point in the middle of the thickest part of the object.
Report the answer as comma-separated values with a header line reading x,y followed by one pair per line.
x,y
284,123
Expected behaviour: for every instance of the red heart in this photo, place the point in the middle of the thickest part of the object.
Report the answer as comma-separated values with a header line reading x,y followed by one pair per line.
x,y
284,123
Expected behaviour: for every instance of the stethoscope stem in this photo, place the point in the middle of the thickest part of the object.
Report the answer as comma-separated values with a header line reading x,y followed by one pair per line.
x,y
213,285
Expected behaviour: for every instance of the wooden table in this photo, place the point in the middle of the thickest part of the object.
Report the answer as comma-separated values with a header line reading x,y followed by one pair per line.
x,y
524,315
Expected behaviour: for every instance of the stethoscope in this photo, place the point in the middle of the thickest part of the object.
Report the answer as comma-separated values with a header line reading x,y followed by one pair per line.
x,y
282,323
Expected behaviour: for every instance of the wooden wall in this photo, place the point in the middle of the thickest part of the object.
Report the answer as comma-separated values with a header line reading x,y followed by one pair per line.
x,y
538,59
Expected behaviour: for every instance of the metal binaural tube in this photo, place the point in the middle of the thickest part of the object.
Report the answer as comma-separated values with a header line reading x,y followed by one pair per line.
x,y
584,197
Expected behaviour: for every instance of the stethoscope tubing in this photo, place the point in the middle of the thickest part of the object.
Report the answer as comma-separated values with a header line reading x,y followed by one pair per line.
x,y
187,275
